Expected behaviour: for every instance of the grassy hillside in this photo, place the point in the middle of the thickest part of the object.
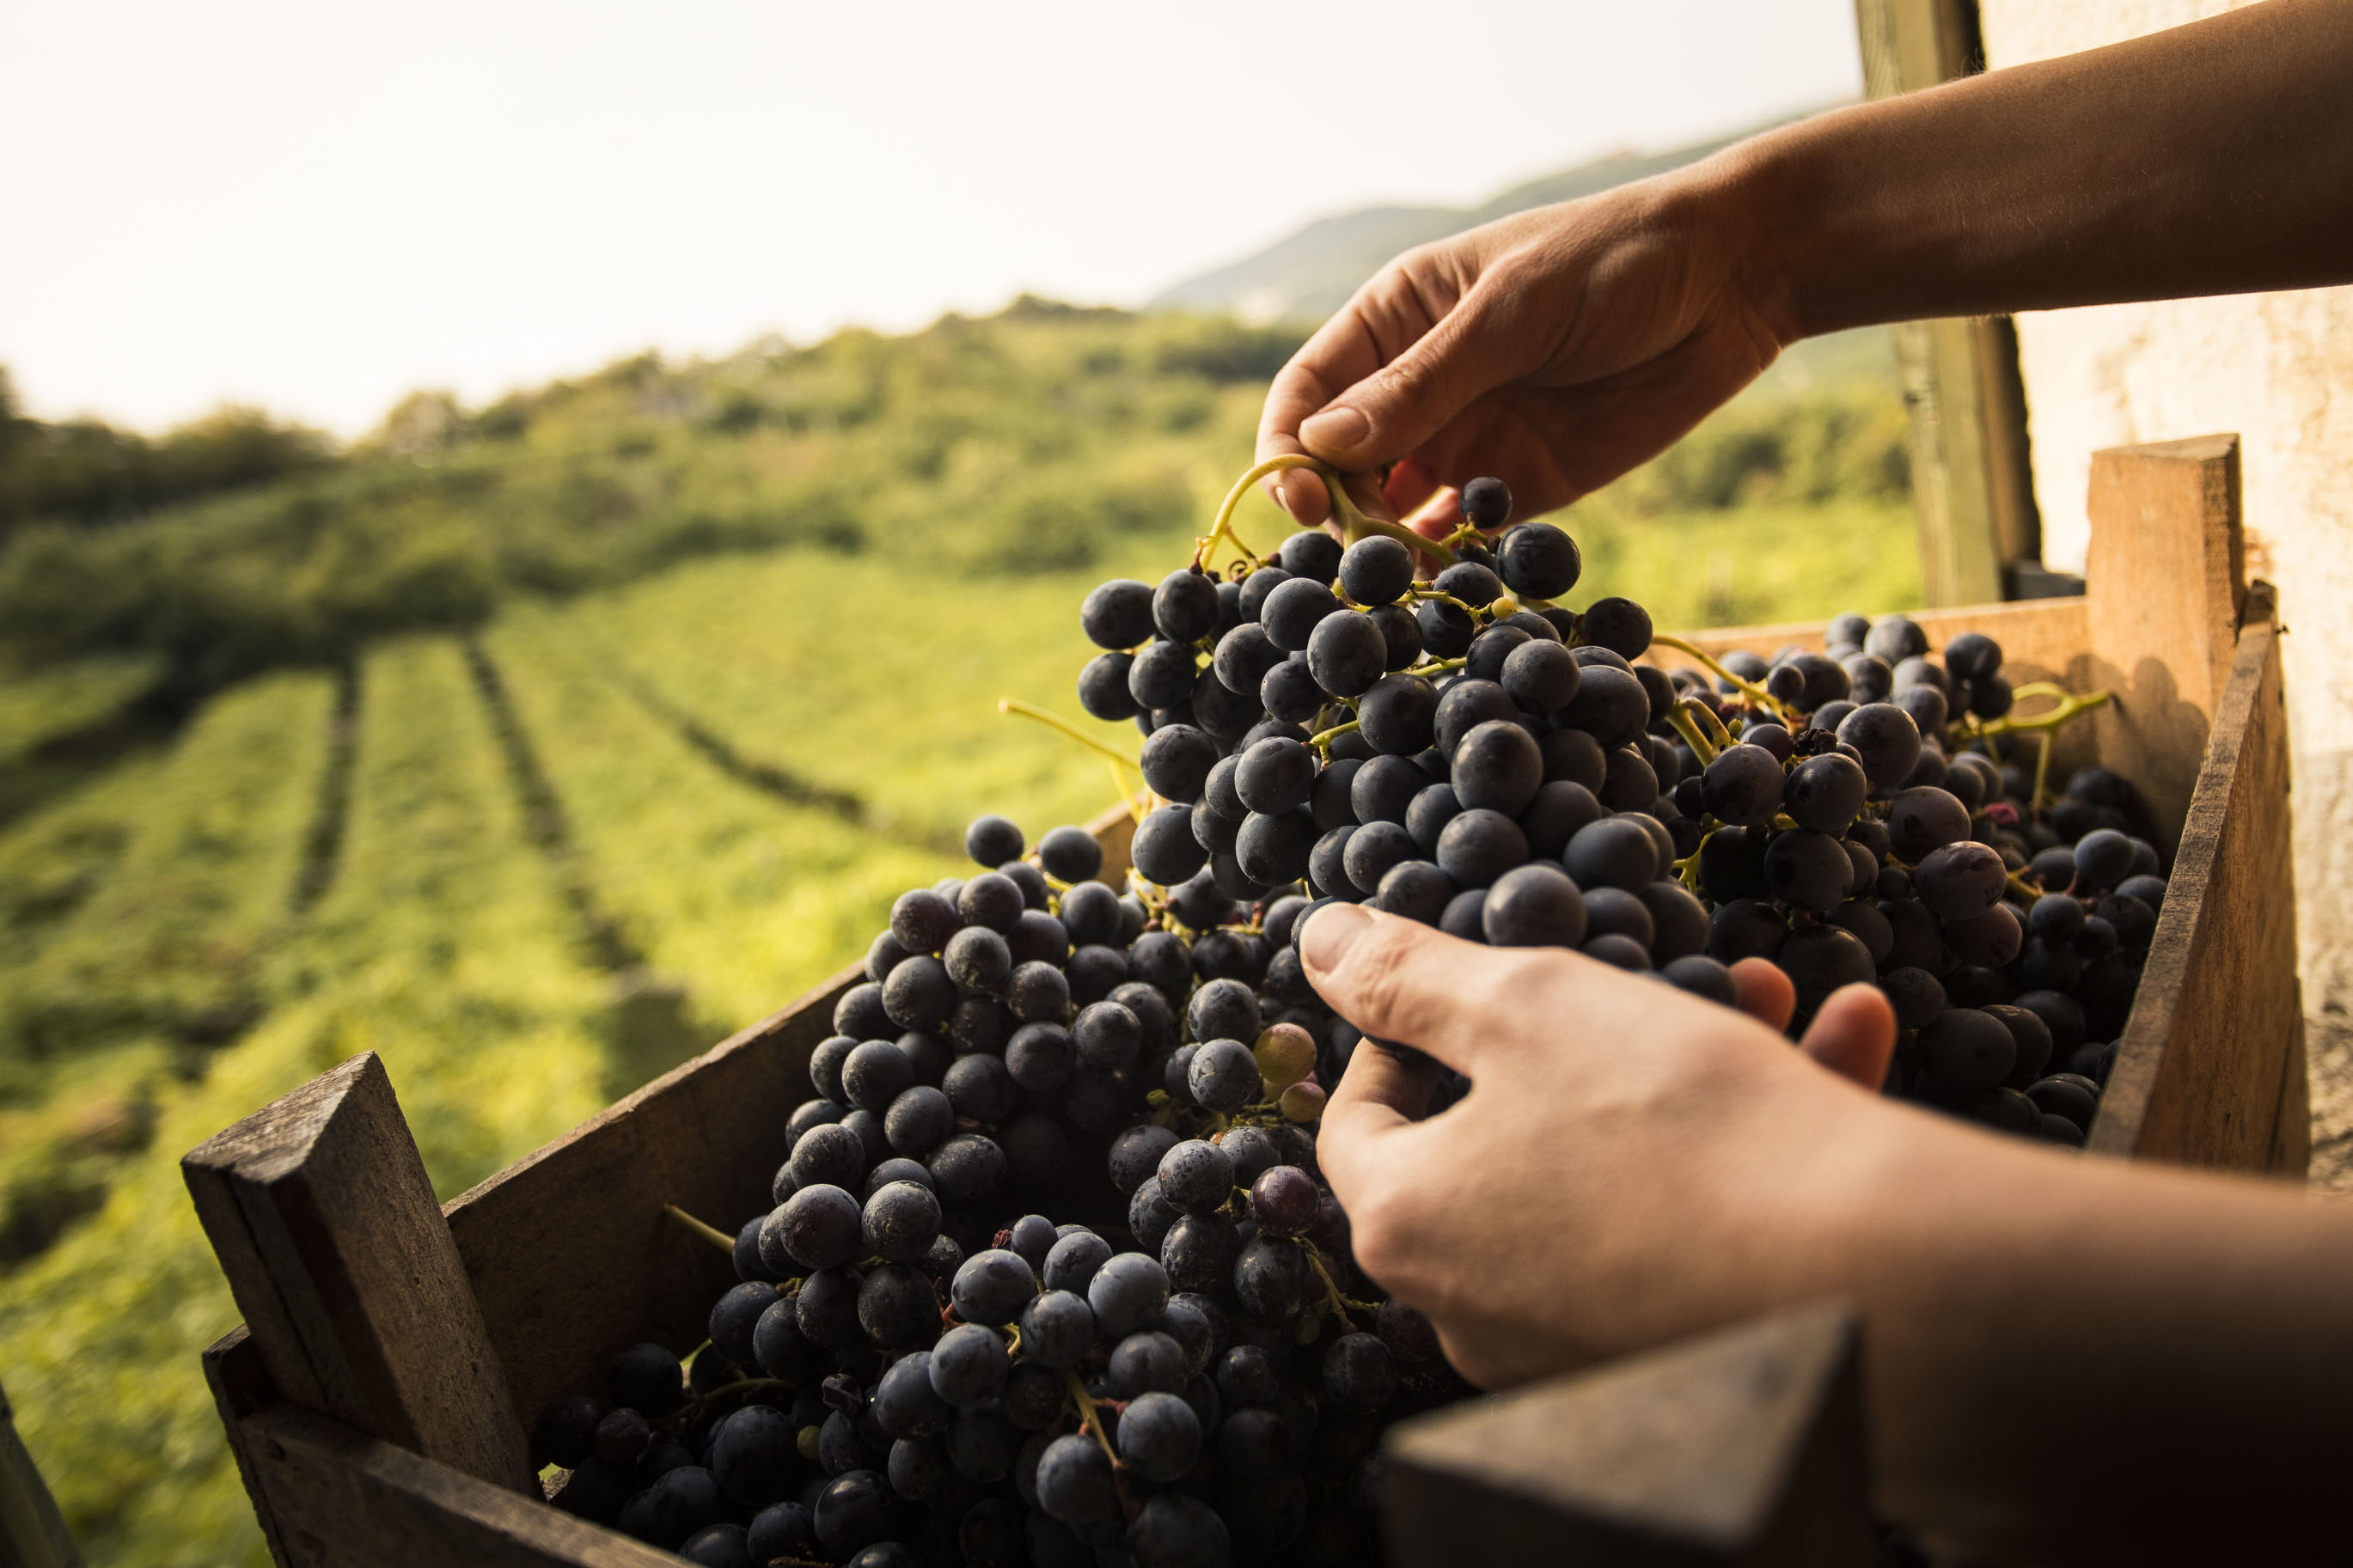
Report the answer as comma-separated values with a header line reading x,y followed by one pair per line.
x,y
534,746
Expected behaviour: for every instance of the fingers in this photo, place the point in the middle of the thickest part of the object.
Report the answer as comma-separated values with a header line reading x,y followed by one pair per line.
x,y
1390,412
1439,516
1378,1092
1341,352
1766,993
1398,979
1377,1097
1853,1034
1409,484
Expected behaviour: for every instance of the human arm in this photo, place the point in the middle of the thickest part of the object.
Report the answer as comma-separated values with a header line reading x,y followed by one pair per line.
x,y
1558,348
2068,1359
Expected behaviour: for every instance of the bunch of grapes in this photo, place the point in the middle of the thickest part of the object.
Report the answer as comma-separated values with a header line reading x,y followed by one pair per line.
x,y
1457,749
1052,1275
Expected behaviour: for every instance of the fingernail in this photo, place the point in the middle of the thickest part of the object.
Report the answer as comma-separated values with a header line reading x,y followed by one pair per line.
x,y
1331,931
1335,428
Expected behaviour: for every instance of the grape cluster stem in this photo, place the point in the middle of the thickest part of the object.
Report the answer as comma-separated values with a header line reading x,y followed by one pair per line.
x,y
709,1233
1354,524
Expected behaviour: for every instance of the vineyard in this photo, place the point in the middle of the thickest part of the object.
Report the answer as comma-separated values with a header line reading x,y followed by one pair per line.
x,y
538,854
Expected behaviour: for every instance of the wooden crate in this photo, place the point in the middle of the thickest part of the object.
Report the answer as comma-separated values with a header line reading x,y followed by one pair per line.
x,y
377,1398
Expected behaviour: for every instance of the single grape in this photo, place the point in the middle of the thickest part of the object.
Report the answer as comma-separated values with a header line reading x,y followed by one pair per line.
x,y
1285,1201
1117,614
1477,845
1159,1435
1621,625
1346,654
1534,905
1376,570
899,1222
1196,1176
1127,1293
1497,766
1223,1076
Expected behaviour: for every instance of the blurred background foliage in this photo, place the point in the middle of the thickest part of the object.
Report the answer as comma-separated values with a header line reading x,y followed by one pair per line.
x,y
537,745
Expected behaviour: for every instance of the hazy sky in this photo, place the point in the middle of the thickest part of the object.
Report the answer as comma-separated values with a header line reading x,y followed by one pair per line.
x,y
318,207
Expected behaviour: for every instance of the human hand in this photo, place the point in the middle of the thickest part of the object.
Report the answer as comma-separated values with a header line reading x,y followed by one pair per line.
x,y
1555,349
1631,1164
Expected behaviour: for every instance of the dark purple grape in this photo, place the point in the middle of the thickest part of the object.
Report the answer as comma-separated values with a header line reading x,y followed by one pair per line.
x,y
1534,905
1475,847
1487,506
1960,880
1966,1050
1538,561
1615,852
1497,766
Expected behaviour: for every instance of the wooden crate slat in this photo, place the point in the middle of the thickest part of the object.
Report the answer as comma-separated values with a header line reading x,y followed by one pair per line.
x,y
33,1533
2167,566
1740,1446
569,1250
319,1211
2213,1058
343,1499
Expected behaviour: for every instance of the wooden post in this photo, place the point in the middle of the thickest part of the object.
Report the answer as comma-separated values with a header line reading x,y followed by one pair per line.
x,y
1745,1446
1980,535
319,1212
2168,565
2211,1067
32,1532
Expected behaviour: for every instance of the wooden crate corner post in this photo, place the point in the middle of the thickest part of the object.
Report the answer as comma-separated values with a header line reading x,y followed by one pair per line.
x,y
1744,1446
2210,1069
319,1211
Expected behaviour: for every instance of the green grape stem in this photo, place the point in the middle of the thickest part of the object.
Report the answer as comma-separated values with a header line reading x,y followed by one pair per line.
x,y
2068,706
1056,721
1354,524
1322,740
1748,689
1091,1422
1689,728
1420,595
1339,1304
709,1233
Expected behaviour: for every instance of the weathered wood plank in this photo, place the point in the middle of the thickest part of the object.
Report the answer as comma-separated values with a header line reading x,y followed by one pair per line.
x,y
32,1532
319,1209
2211,1058
2168,575
1743,1446
349,1501
240,1387
569,1250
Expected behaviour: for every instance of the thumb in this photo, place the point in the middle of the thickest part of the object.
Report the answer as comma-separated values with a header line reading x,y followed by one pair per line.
x,y
1853,1034
1397,407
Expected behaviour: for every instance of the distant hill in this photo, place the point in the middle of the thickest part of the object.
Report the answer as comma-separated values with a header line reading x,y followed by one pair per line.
x,y
1307,275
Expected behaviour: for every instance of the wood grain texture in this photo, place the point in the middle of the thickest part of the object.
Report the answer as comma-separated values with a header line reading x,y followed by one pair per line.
x,y
240,1386
1743,1446
319,1209
2167,579
32,1532
349,1501
2211,1059
569,1250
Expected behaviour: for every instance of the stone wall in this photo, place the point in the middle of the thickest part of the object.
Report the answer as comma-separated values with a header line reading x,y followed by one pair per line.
x,y
2277,369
